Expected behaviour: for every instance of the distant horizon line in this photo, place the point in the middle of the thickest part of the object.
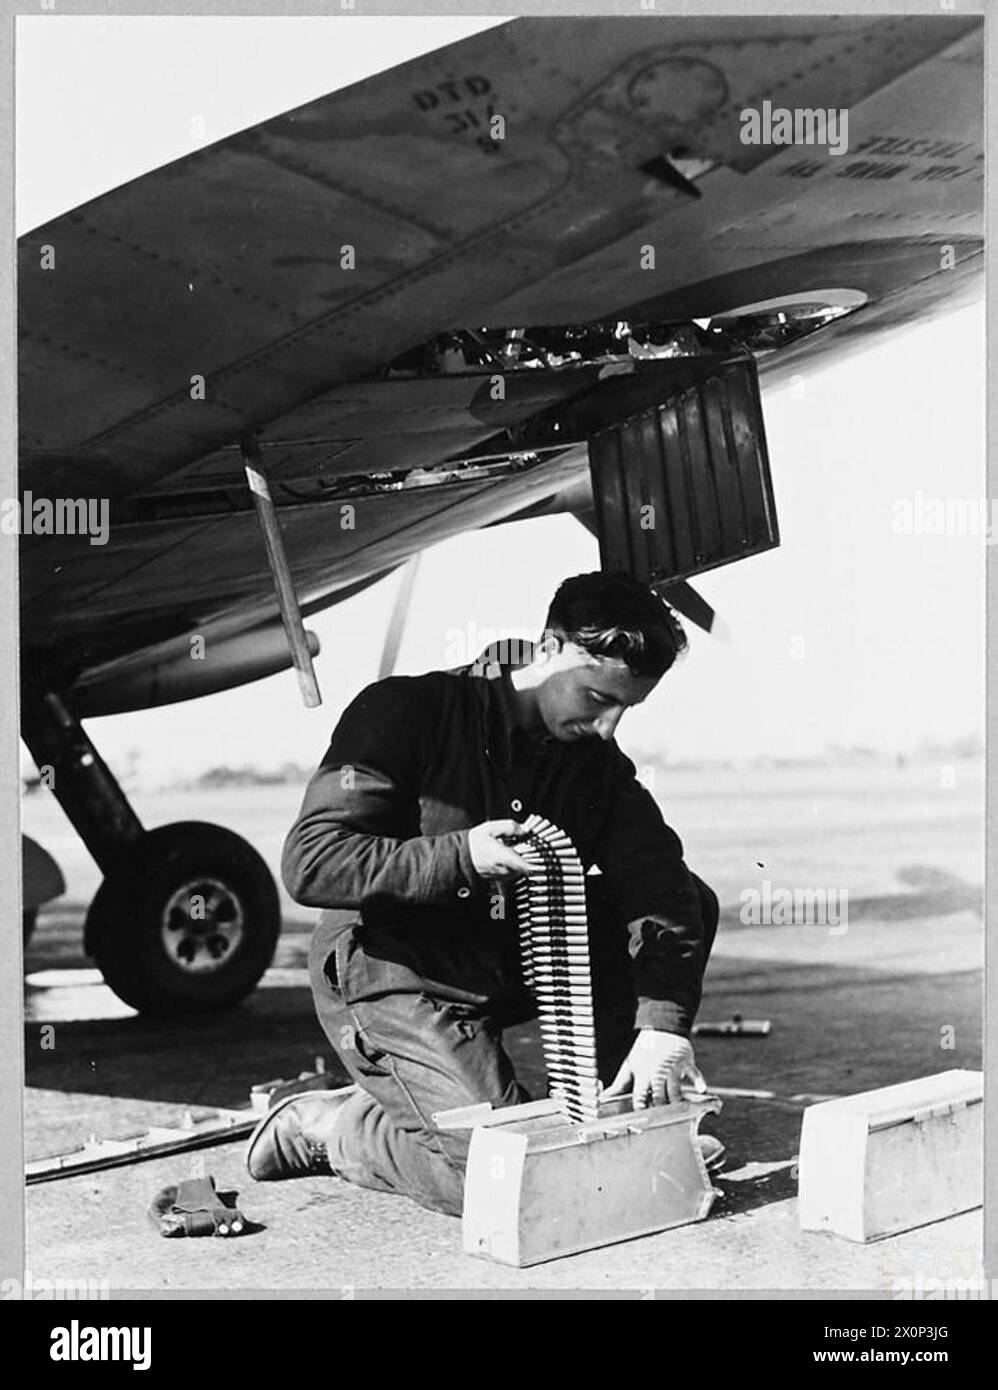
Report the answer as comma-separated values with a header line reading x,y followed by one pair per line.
x,y
970,747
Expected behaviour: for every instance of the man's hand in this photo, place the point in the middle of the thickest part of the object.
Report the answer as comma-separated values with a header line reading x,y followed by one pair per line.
x,y
655,1069
493,859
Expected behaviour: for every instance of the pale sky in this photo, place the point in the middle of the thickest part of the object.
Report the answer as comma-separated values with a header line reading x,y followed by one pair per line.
x,y
848,633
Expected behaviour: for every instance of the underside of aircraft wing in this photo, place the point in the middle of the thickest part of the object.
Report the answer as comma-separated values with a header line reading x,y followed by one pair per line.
x,y
345,282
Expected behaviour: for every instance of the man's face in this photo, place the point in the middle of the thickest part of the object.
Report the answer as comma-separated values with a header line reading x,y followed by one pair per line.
x,y
584,696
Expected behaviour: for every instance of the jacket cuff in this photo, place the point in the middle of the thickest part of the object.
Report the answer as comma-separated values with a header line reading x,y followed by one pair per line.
x,y
663,1016
468,875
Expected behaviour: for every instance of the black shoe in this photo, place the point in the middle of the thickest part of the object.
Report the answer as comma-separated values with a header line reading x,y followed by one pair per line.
x,y
292,1140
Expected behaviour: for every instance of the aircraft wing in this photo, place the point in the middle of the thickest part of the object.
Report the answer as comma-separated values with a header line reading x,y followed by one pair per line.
x,y
342,282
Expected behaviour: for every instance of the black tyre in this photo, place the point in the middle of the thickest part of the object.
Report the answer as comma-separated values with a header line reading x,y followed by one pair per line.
x,y
29,920
187,921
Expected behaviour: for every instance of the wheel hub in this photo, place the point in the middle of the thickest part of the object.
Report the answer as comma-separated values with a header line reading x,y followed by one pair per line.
x,y
202,925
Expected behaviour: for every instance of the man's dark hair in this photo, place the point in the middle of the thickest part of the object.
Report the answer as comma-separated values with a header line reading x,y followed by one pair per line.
x,y
614,615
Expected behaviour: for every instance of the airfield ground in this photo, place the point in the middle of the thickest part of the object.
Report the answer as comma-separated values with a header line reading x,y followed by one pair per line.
x,y
850,1011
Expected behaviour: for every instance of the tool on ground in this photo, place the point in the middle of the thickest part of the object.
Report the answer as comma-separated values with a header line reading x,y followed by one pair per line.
x,y
734,1027
892,1159
194,1131
573,1172
266,1094
195,1207
798,1101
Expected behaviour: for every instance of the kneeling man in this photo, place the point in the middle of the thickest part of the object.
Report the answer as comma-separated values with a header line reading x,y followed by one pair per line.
x,y
409,821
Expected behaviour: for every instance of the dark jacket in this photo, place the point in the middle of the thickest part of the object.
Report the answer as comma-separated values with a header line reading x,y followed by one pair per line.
x,y
416,761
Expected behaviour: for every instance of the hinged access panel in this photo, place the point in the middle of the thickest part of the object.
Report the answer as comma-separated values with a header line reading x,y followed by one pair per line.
x,y
684,486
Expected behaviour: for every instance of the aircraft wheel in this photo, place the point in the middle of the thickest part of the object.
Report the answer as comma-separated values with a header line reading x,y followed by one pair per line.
x,y
187,921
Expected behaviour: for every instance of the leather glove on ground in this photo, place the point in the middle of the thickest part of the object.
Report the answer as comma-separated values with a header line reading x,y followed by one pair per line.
x,y
196,1208
656,1069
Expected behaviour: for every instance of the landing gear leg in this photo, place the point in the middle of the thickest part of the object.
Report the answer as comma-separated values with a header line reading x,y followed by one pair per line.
x,y
83,783
187,917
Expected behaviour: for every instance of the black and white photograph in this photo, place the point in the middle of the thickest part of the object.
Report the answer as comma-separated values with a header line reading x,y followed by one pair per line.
x,y
495,541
